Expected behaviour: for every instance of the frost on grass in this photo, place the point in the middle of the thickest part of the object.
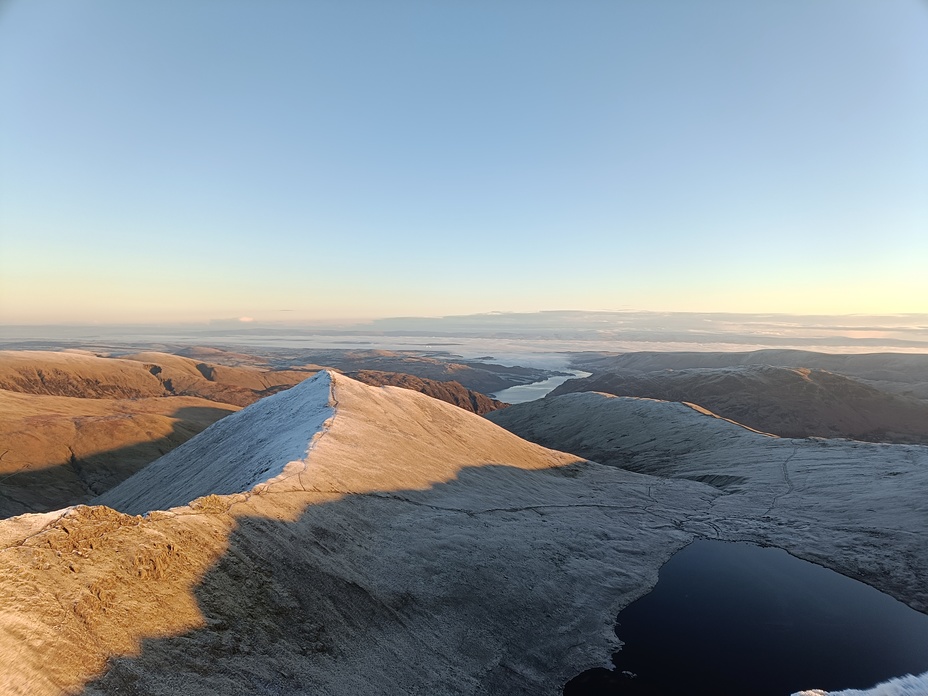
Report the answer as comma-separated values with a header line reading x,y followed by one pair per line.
x,y
235,455
900,686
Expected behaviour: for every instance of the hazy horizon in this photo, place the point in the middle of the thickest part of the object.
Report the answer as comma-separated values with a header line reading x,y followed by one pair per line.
x,y
179,162
533,337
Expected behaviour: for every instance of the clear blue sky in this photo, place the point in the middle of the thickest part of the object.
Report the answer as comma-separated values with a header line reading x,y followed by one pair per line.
x,y
186,160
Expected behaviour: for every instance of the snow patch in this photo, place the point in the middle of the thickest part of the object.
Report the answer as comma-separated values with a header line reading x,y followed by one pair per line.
x,y
900,686
234,454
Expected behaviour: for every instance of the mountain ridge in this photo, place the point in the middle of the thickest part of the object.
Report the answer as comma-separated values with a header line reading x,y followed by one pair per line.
x,y
786,401
409,546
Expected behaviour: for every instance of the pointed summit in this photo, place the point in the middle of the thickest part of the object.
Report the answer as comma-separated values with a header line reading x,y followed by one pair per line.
x,y
234,455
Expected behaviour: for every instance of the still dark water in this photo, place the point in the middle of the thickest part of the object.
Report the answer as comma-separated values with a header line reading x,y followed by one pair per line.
x,y
736,619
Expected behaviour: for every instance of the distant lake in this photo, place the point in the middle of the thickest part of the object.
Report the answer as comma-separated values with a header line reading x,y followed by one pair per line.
x,y
536,390
728,619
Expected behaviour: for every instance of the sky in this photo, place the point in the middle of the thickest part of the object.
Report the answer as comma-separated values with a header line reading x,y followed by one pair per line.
x,y
290,161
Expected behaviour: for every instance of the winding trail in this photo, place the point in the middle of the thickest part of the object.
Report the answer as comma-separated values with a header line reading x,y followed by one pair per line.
x,y
789,483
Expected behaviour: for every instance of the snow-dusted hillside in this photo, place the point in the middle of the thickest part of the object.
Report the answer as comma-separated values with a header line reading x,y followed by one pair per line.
x,y
908,685
413,548
786,401
859,508
344,539
235,454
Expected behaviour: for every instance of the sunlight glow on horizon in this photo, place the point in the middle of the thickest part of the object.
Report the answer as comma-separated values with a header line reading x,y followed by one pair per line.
x,y
195,161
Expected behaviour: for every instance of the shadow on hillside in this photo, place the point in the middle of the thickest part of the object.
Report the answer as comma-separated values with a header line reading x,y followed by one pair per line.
x,y
491,583
79,480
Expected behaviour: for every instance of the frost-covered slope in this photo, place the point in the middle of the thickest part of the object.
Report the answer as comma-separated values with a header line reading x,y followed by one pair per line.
x,y
235,454
856,507
449,391
62,450
417,548
908,685
790,402
360,540
639,433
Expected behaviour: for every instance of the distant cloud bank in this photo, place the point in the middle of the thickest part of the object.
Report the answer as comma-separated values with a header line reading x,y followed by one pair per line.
x,y
503,333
